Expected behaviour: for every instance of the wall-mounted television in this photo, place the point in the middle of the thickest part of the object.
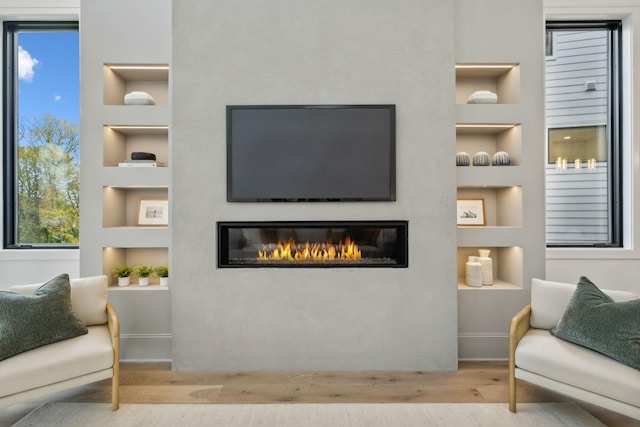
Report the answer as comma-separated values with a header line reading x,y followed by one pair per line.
x,y
295,153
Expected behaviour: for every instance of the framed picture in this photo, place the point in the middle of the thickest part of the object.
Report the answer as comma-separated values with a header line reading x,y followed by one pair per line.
x,y
470,212
153,212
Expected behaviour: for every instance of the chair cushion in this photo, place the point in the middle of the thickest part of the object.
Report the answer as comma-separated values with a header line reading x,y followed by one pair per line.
x,y
31,321
88,298
543,354
549,299
59,361
593,320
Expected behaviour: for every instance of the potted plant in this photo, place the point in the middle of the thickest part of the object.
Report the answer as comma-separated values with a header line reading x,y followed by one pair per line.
x,y
123,273
162,272
143,272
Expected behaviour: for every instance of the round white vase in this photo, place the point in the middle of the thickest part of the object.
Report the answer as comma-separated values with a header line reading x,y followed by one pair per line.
x,y
143,281
473,272
487,267
123,281
164,281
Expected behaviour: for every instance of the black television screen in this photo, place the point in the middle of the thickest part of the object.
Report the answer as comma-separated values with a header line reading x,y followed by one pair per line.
x,y
310,153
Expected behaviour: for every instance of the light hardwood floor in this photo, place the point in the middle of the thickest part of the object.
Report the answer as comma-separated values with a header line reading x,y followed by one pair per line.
x,y
157,383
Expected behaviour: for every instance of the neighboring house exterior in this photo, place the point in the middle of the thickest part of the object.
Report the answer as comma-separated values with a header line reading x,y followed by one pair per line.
x,y
577,202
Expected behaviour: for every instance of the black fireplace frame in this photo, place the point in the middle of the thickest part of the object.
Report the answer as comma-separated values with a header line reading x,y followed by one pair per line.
x,y
402,243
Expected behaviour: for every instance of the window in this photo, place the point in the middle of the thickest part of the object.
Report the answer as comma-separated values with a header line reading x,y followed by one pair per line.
x,y
583,102
41,138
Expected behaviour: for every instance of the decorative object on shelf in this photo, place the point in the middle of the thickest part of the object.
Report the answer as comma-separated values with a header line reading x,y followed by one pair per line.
x,y
487,267
481,158
501,158
141,155
138,98
470,212
123,273
462,159
482,97
143,272
162,272
153,212
473,271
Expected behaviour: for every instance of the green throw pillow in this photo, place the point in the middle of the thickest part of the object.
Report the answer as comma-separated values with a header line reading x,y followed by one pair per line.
x,y
593,320
30,321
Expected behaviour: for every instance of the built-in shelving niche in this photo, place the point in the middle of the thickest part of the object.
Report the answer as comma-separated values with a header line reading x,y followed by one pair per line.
x,y
507,267
113,257
491,138
503,79
502,204
119,141
120,204
120,79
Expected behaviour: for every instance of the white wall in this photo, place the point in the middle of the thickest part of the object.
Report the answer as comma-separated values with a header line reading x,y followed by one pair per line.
x,y
610,268
34,266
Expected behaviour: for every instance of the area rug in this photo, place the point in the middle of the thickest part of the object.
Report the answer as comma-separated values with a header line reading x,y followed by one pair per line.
x,y
309,415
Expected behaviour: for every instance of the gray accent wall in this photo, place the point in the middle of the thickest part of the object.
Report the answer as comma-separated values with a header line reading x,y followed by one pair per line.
x,y
314,52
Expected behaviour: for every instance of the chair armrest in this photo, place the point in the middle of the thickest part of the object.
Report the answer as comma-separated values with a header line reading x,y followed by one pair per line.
x,y
517,329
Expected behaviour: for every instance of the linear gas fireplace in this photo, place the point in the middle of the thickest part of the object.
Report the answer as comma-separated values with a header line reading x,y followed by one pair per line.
x,y
313,244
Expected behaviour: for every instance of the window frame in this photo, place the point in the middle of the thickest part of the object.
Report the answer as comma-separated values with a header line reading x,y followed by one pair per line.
x,y
614,121
10,126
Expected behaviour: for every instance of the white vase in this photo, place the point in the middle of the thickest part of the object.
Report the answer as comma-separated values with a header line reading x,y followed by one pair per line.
x,y
487,267
473,272
123,281
164,281
143,281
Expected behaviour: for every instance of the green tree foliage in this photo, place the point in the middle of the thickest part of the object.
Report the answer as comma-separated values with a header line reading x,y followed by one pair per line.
x,y
48,181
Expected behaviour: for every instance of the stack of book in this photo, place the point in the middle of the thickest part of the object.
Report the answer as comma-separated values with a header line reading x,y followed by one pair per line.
x,y
141,163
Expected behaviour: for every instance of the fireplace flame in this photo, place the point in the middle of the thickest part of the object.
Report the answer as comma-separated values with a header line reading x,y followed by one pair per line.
x,y
292,251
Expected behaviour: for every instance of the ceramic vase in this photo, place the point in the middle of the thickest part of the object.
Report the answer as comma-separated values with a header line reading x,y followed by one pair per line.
x,y
143,281
462,159
481,158
501,158
164,281
123,281
473,272
487,267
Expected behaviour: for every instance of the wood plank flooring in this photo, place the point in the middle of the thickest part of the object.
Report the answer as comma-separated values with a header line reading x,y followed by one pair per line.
x,y
157,383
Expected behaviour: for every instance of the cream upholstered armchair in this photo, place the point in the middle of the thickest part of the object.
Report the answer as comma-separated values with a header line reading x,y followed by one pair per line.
x,y
56,336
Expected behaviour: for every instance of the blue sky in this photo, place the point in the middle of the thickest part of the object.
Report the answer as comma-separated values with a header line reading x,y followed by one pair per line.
x,y
49,74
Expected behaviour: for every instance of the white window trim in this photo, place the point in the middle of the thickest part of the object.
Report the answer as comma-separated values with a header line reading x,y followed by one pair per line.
x,y
37,10
628,11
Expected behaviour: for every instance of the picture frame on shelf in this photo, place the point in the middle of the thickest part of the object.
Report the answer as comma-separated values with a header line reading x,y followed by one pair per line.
x,y
153,212
470,212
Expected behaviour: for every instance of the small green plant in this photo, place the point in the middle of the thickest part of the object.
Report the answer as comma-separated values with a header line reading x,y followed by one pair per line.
x,y
123,271
144,271
162,270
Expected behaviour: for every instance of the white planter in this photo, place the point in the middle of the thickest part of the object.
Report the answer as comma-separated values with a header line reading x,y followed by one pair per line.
x,y
143,281
123,281
164,281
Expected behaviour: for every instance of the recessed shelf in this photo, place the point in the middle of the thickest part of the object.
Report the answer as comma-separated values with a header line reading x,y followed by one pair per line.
x,y
502,204
120,79
503,79
113,257
119,141
120,205
507,266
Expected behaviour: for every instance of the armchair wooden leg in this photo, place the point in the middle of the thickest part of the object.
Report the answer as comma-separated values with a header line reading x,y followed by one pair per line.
x,y
115,392
512,391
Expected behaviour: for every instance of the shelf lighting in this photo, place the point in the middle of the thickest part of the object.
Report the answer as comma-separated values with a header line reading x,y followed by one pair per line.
x,y
485,125
485,66
138,67
138,127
